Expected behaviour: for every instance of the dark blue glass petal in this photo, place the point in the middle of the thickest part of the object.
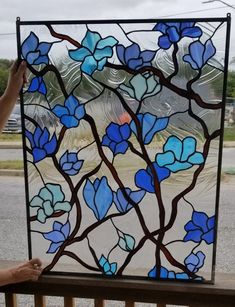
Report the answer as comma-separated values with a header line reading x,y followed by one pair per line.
x,y
164,42
200,219
173,35
144,181
132,52
192,32
209,236
30,44
50,147
44,48
193,235
38,154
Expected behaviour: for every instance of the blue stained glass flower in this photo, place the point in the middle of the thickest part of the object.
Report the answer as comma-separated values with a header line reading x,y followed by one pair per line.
x,y
94,52
179,155
116,138
70,164
37,84
57,236
200,228
98,196
120,201
33,52
144,178
194,261
166,274
142,86
41,144
199,54
150,124
71,113
107,267
50,199
133,57
174,31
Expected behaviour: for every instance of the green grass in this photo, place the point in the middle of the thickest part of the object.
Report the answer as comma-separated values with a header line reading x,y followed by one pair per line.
x,y
7,137
11,164
229,133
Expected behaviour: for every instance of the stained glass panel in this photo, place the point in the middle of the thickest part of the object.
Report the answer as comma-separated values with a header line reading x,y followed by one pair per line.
x,y
122,145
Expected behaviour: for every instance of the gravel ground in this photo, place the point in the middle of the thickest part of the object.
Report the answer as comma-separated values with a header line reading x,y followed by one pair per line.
x,y
14,244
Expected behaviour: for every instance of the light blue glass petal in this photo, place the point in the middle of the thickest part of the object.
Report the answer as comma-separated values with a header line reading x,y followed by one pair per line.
x,y
122,244
175,145
71,103
187,58
101,64
132,52
166,158
193,235
72,157
147,55
71,172
96,184
152,273
67,166
108,41
44,48
66,230
173,34
50,147
196,51
102,260
90,40
53,247
80,112
122,202
47,207
89,65
64,158
178,166
54,236
89,195
191,267
153,88
171,275
189,147
201,257
120,148
113,267
130,242
46,194
137,196
99,54
36,201
196,158
78,165
41,60
69,121
62,206
181,276
163,42
57,226
192,259
209,51
32,56
121,53
60,111
41,217
56,192
106,267
79,54
209,236
30,44
128,90
200,219
192,32
135,63
163,272
148,121
38,154
44,138
160,124
103,198
139,84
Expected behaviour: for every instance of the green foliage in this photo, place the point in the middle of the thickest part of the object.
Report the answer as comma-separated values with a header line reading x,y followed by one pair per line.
x,y
218,85
4,68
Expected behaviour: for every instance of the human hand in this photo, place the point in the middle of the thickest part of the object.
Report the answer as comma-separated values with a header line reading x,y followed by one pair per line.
x,y
16,79
30,270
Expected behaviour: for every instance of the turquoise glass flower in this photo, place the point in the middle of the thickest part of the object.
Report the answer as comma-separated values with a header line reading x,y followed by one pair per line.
x,y
107,267
142,86
94,52
179,155
50,199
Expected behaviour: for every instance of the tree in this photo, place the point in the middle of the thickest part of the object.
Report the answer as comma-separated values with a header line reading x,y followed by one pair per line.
x,y
4,68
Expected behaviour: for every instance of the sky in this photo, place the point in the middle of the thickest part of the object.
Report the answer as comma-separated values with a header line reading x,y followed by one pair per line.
x,y
29,10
